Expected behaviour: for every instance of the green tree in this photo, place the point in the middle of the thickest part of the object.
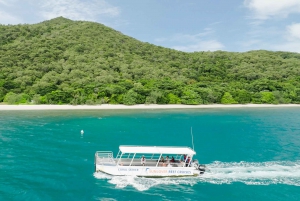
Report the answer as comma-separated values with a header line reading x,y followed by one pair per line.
x,y
243,96
190,97
152,98
37,99
173,99
13,98
130,98
227,99
2,93
267,97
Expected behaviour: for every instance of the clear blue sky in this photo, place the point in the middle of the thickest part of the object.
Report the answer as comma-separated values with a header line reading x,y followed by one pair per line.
x,y
192,25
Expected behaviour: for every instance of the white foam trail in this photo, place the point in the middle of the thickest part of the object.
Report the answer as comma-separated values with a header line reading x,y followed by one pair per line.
x,y
264,173
100,175
142,183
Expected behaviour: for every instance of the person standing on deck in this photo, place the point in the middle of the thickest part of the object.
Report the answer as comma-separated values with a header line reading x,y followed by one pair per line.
x,y
167,160
143,160
187,162
173,160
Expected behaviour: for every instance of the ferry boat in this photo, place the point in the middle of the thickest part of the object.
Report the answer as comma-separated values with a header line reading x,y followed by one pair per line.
x,y
149,161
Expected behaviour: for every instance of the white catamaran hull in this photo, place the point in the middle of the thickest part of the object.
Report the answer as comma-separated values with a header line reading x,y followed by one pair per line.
x,y
148,171
148,161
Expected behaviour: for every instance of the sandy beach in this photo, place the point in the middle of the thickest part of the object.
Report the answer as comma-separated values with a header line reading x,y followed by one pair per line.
x,y
142,106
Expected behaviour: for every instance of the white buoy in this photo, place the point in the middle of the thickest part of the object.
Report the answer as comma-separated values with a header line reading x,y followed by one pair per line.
x,y
81,132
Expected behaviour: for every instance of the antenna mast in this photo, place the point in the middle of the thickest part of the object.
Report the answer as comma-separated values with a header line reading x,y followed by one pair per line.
x,y
192,137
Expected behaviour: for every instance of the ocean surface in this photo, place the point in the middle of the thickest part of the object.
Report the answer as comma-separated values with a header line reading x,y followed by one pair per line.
x,y
252,154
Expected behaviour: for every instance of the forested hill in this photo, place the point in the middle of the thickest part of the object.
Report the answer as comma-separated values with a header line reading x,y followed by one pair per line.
x,y
62,61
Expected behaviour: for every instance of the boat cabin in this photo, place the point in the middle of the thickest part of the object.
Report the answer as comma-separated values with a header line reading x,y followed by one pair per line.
x,y
154,156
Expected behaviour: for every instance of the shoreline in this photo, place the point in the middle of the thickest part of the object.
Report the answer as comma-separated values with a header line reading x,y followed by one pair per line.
x,y
134,107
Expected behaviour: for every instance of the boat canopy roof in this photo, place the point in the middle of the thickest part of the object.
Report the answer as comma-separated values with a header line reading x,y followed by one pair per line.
x,y
156,150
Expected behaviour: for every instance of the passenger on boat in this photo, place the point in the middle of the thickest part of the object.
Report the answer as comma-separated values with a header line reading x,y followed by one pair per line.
x,y
187,162
167,160
172,159
143,160
162,159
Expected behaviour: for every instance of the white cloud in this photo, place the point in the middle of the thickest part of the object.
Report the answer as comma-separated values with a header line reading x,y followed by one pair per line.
x,y
4,2
264,9
211,45
20,11
193,42
6,18
186,37
7,2
293,31
292,43
76,9
288,47
250,43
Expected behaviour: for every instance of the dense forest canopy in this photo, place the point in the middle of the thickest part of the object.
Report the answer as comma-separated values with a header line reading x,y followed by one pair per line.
x,y
61,61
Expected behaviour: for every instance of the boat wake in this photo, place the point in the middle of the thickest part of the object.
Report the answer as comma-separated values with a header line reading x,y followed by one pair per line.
x,y
264,173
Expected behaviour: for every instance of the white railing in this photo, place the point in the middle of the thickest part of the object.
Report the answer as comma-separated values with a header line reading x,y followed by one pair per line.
x,y
104,158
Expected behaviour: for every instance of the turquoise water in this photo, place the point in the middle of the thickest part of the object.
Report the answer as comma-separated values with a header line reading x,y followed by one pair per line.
x,y
252,154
